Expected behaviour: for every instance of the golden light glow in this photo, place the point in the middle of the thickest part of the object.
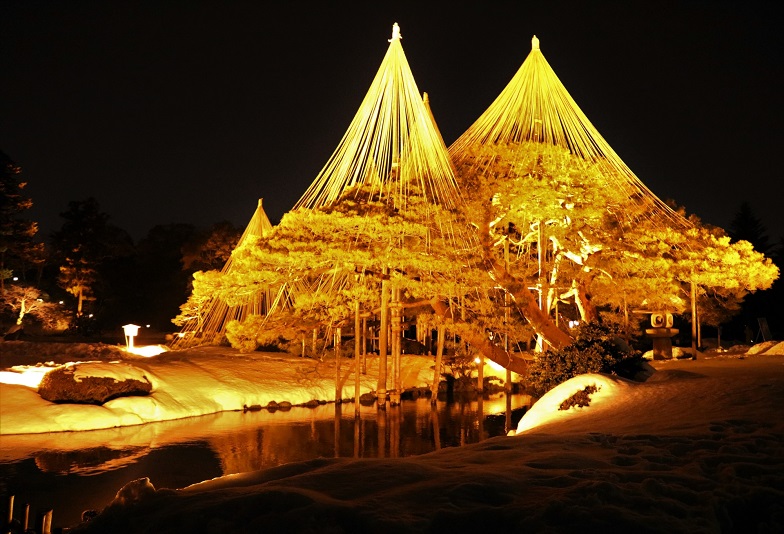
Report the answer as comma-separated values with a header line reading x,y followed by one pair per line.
x,y
147,351
26,375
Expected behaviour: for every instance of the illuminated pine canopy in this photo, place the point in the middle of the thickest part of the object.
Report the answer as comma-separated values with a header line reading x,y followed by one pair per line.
x,y
575,222
209,309
552,208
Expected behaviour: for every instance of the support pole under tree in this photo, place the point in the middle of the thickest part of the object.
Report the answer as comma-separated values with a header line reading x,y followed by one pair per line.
x,y
357,357
480,374
382,340
508,383
338,385
437,366
397,331
364,345
693,320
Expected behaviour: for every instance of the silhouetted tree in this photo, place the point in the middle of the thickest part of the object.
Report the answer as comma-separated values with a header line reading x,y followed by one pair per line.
x,y
210,249
17,248
87,249
747,227
161,282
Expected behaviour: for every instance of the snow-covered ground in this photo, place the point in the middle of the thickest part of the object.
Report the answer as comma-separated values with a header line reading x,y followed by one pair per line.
x,y
186,383
697,447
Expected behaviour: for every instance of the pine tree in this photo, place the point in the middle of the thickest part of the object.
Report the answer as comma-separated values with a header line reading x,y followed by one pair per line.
x,y
746,226
17,248
85,247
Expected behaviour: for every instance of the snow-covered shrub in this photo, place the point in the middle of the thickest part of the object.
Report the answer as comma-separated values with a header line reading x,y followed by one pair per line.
x,y
597,348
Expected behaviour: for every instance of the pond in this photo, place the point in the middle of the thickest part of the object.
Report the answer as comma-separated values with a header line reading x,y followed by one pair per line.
x,y
70,472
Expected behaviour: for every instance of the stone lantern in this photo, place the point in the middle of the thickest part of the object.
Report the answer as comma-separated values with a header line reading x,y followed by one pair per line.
x,y
661,333
131,331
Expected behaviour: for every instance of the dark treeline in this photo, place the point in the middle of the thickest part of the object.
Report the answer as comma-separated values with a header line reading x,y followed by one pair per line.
x,y
89,277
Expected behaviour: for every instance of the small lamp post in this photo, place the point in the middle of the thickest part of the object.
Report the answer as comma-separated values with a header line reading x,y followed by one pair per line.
x,y
131,331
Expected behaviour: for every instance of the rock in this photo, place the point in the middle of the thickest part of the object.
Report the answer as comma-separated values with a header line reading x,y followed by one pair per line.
x,y
134,492
83,383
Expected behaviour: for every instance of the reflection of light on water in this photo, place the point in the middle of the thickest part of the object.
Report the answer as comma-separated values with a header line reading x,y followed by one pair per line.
x,y
91,466
88,462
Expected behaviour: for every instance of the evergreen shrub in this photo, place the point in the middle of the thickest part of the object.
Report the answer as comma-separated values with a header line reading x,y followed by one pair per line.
x,y
597,348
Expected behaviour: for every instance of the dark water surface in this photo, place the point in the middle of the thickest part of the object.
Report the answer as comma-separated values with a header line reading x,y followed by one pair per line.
x,y
70,472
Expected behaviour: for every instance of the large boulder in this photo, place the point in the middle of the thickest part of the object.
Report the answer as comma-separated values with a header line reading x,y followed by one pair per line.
x,y
93,382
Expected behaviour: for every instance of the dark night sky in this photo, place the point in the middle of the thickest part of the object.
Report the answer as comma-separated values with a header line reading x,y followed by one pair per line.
x,y
189,111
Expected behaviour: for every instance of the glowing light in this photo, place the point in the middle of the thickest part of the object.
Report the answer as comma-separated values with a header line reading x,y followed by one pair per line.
x,y
148,351
25,375
477,360
495,366
130,331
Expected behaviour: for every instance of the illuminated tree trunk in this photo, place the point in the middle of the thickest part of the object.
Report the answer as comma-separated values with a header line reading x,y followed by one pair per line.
x,y
22,311
539,321
80,301
525,301
588,312
482,344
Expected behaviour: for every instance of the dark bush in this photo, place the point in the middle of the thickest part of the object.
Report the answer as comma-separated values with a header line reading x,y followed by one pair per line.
x,y
597,348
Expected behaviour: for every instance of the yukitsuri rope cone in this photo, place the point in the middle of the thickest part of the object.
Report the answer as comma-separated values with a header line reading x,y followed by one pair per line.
x,y
207,319
535,111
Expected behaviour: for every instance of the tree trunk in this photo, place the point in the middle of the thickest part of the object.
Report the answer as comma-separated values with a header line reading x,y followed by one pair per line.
x,y
541,322
481,343
588,312
529,307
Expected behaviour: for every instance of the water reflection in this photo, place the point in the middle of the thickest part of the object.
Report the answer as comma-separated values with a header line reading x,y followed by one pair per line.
x,y
72,472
